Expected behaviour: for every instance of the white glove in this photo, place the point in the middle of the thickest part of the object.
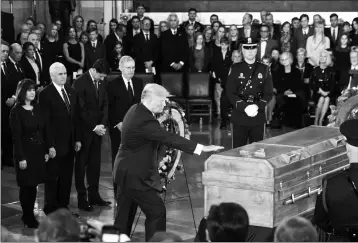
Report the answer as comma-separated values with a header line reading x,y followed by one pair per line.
x,y
251,110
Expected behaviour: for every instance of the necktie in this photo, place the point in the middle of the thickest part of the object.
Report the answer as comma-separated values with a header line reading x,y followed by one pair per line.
x,y
18,67
130,92
175,32
263,40
334,34
67,101
37,60
146,37
3,67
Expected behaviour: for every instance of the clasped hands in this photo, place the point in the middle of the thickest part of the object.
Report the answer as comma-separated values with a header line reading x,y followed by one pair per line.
x,y
100,130
324,94
177,66
252,110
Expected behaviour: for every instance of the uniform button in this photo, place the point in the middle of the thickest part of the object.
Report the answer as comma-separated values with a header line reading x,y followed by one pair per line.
x,y
250,67
250,87
260,82
241,82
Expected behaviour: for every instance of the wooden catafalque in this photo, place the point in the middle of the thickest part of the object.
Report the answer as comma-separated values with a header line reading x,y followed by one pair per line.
x,y
278,177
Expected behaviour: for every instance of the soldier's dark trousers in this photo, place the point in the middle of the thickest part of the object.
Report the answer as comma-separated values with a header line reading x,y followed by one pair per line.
x,y
240,134
224,106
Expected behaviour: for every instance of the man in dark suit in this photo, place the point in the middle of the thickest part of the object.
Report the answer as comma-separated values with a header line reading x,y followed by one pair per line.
x,y
135,168
61,9
174,47
34,39
334,32
140,14
274,29
145,49
198,27
111,40
336,210
93,113
300,35
94,49
131,34
6,101
59,106
248,30
265,44
122,92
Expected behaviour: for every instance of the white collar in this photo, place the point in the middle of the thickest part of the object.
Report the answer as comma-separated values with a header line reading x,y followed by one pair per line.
x,y
136,31
354,67
89,71
94,42
146,33
58,87
266,39
334,27
172,30
190,22
12,60
126,80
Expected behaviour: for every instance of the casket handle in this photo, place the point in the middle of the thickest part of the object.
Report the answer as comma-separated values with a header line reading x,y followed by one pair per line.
x,y
288,157
336,141
295,198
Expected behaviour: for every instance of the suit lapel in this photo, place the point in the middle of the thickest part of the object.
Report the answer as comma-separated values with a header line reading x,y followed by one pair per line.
x,y
91,85
56,94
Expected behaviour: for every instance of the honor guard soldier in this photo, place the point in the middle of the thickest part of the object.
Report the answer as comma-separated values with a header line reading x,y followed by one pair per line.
x,y
336,210
249,89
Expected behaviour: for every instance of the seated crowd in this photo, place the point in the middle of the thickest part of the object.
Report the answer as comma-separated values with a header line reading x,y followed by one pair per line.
x,y
310,64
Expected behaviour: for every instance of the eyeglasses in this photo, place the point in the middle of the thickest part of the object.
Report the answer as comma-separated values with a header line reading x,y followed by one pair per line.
x,y
264,31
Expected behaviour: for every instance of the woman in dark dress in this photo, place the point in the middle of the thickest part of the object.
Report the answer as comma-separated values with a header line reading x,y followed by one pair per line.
x,y
117,54
199,55
33,145
342,62
74,54
322,81
290,97
305,69
354,33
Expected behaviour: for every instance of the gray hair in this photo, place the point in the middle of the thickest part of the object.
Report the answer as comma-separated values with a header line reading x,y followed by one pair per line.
x,y
301,50
15,46
124,60
55,66
175,15
288,55
152,89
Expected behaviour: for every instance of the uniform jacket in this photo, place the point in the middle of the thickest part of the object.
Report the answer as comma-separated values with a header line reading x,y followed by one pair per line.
x,y
336,205
261,83
136,164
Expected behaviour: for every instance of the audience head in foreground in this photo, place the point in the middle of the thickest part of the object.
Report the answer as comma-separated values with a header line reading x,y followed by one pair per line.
x,y
349,130
295,229
227,222
59,226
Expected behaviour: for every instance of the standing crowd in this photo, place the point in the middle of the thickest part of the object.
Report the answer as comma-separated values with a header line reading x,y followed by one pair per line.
x,y
57,104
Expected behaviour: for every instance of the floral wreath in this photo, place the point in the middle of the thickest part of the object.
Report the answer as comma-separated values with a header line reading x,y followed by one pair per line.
x,y
353,114
173,120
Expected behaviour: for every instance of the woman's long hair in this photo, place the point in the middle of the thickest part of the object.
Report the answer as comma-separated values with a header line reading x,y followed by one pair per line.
x,y
322,34
339,43
285,38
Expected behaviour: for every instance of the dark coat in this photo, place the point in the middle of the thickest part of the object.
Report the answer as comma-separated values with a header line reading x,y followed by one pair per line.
x,y
110,43
118,98
136,165
299,39
271,44
173,48
91,56
221,66
29,72
144,50
207,59
198,27
255,33
65,127
336,206
235,90
328,33
93,105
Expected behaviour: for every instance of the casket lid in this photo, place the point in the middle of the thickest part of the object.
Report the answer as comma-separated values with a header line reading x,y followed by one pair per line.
x,y
278,155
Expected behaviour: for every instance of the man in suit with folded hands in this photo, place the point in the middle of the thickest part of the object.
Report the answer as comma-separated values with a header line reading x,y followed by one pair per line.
x,y
92,98
122,92
136,167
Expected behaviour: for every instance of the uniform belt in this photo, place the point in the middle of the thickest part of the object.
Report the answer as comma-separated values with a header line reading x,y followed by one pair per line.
x,y
35,139
251,98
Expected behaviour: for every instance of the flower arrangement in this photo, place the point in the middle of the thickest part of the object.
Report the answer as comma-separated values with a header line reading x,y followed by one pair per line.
x,y
346,94
170,120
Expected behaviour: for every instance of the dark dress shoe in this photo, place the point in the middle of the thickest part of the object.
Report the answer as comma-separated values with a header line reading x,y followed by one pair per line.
x,y
99,202
30,222
85,207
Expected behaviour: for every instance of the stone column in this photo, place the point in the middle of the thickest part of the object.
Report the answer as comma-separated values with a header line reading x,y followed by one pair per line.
x,y
108,15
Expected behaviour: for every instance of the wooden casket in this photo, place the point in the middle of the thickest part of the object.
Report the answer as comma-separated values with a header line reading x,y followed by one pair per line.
x,y
275,178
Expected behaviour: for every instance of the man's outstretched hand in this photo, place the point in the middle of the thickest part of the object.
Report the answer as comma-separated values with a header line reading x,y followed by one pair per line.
x,y
212,148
